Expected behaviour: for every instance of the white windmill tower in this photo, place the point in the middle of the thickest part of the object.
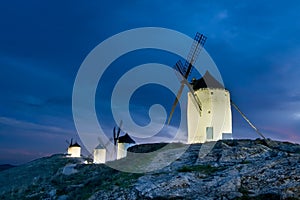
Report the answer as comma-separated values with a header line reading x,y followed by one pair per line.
x,y
115,148
74,150
112,146
99,153
124,142
208,106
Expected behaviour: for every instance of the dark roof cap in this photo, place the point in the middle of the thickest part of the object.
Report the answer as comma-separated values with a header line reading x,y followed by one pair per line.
x,y
207,81
75,145
126,139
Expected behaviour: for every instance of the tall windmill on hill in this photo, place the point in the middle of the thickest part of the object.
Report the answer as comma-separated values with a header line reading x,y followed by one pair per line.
x,y
208,106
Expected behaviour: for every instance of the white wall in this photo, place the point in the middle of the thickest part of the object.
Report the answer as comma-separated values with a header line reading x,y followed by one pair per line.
x,y
74,152
99,156
122,150
216,113
111,152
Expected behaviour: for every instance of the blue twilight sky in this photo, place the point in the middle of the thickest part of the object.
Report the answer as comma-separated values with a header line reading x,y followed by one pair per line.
x,y
255,45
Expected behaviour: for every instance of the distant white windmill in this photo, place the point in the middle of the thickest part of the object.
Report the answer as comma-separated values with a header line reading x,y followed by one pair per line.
x,y
74,150
124,143
99,153
115,149
107,151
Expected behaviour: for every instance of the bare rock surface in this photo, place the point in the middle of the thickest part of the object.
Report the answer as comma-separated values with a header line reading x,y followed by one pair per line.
x,y
231,169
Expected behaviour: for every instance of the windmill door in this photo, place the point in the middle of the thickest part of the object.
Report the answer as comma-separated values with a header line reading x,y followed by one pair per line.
x,y
209,133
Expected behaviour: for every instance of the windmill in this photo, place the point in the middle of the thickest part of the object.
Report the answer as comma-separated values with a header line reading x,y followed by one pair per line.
x,y
99,153
117,132
208,105
111,147
69,143
184,72
74,149
121,144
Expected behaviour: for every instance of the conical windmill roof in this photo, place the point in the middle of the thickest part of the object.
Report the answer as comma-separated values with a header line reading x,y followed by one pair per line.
x,y
75,145
207,81
126,139
100,146
104,145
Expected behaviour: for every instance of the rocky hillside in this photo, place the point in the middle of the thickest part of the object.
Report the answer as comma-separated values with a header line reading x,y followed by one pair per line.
x,y
235,169
5,167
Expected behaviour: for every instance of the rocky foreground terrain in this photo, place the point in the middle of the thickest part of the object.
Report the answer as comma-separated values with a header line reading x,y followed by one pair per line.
x,y
5,167
233,169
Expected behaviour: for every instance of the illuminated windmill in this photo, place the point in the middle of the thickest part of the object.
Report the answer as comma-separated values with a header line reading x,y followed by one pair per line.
x,y
74,149
115,148
99,153
208,106
122,143
111,147
108,151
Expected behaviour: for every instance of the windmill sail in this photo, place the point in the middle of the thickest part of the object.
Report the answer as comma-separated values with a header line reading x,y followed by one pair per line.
x,y
196,101
179,68
197,45
185,71
175,102
117,132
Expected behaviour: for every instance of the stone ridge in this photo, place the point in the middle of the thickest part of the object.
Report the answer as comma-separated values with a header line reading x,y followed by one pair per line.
x,y
232,169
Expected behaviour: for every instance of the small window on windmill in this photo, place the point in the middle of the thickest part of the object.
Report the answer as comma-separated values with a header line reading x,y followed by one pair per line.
x,y
211,93
209,133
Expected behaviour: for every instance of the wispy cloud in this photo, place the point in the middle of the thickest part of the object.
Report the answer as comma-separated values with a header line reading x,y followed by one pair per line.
x,y
222,15
255,45
30,126
22,141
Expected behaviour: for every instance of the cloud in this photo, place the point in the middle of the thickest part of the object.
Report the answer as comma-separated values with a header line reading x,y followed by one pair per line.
x,y
255,45
168,134
297,116
222,15
29,126
23,141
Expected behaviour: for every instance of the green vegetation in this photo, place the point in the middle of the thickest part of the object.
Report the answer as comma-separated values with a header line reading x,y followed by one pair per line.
x,y
245,193
205,169
269,196
245,162
44,175
92,178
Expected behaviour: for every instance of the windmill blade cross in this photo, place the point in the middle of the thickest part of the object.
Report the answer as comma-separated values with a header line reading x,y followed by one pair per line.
x,y
106,145
121,123
179,68
196,101
175,102
197,45
117,132
185,70
195,98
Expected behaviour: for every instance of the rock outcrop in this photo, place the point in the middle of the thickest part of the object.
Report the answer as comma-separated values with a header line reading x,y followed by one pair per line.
x,y
232,169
